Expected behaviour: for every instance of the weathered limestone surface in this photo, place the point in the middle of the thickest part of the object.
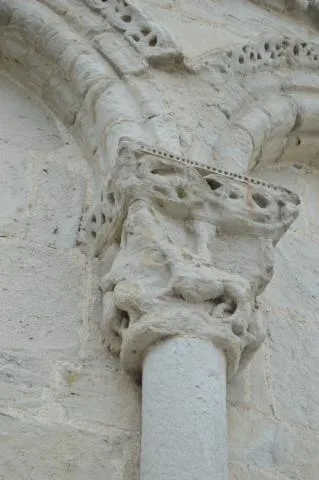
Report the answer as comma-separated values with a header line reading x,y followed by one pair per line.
x,y
41,194
277,397
32,450
209,21
307,10
231,84
165,233
66,411
175,370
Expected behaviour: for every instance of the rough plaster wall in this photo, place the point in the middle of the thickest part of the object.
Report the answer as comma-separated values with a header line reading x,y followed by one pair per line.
x,y
273,406
66,410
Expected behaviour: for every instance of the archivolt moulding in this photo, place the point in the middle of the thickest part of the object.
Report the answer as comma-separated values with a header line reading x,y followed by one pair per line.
x,y
277,100
101,105
41,51
153,41
309,9
266,130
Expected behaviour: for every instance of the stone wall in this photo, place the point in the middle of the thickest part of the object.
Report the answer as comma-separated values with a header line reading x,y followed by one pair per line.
x,y
273,414
66,409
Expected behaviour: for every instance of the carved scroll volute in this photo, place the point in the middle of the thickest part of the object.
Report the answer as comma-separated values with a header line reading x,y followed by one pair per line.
x,y
183,254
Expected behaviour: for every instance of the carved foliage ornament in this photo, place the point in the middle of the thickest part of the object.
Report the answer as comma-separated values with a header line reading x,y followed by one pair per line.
x,y
184,251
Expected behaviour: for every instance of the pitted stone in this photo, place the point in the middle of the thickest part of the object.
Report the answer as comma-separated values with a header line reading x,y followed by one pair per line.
x,y
166,229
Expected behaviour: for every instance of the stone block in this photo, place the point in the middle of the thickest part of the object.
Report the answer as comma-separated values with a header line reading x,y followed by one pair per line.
x,y
294,363
260,442
95,393
41,451
56,205
52,369
249,388
239,471
24,377
42,298
15,188
26,123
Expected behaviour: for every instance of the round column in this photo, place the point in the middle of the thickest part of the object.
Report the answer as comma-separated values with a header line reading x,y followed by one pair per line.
x,y
184,418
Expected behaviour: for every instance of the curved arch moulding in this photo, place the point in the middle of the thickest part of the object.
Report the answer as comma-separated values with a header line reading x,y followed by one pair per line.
x,y
306,10
43,53
275,107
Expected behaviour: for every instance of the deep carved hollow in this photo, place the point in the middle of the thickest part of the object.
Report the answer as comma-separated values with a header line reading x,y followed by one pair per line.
x,y
153,41
111,198
126,18
214,184
145,31
125,321
165,170
223,306
233,195
181,192
260,200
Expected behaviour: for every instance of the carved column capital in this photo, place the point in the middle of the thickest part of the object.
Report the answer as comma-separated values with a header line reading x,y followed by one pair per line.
x,y
186,250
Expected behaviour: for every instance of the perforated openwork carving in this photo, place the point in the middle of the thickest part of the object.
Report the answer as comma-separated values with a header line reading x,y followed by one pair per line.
x,y
270,52
152,40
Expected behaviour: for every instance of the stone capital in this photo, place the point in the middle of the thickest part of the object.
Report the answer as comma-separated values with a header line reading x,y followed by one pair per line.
x,y
184,251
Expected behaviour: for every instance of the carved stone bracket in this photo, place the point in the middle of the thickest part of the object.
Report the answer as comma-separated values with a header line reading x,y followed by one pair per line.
x,y
184,252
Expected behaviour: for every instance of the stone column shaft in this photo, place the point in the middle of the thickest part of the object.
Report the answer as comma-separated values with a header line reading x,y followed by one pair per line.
x,y
184,421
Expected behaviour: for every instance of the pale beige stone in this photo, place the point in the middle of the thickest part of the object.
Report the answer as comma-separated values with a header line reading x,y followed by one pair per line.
x,y
261,442
170,231
232,85
61,451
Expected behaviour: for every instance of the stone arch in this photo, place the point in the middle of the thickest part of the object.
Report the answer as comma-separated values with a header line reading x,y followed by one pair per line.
x,y
305,9
41,52
275,106
93,97
46,316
